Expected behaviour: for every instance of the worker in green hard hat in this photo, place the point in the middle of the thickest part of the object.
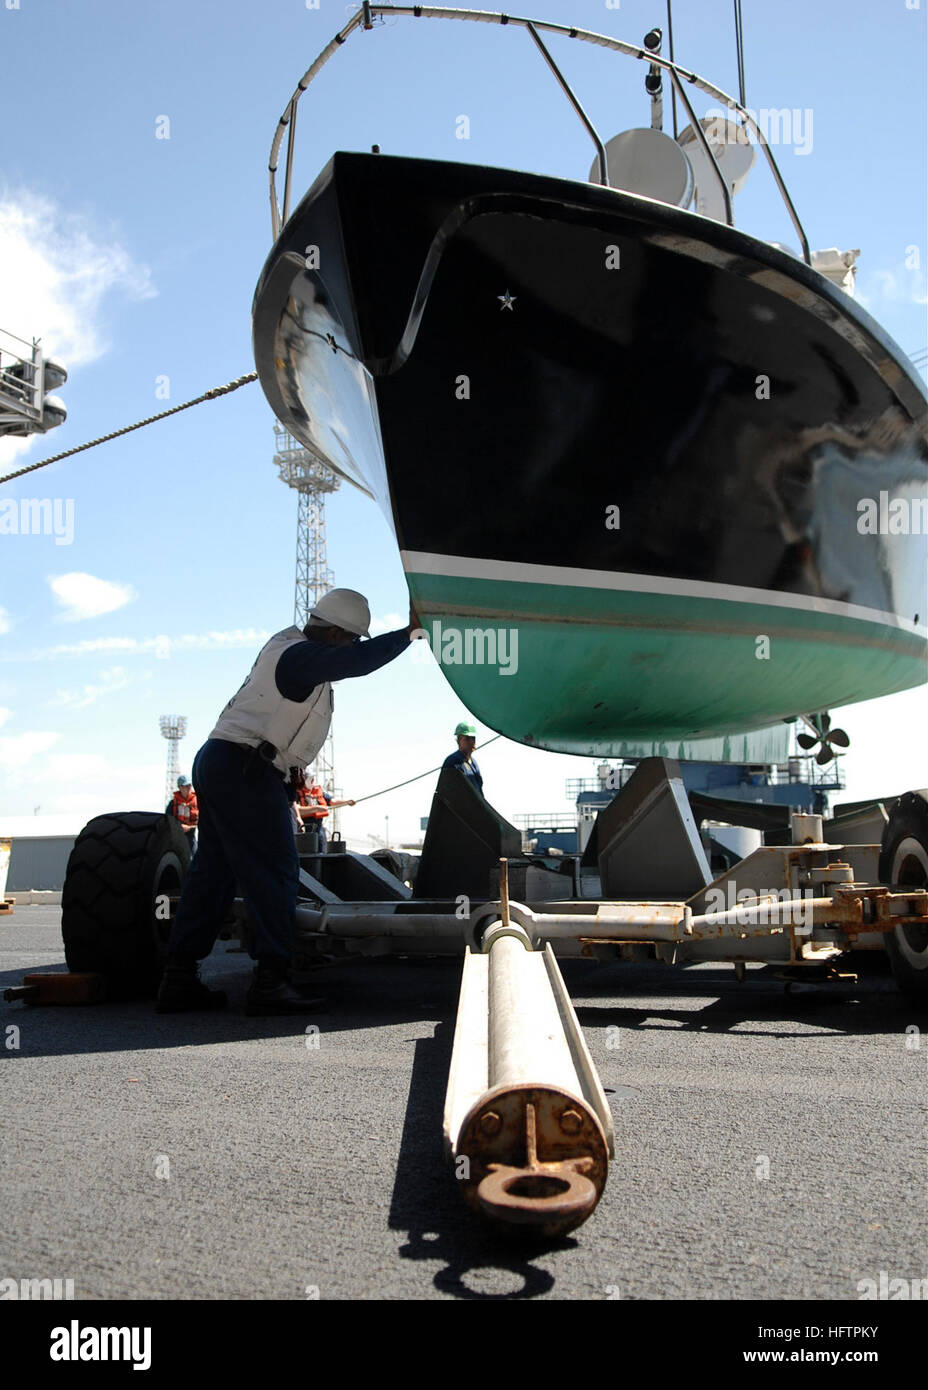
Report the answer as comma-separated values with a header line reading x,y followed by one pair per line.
x,y
466,736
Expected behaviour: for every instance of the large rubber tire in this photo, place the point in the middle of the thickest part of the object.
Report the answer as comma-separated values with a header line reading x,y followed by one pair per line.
x,y
904,862
110,920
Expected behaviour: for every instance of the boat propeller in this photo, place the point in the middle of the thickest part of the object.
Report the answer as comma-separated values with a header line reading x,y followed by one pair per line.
x,y
824,734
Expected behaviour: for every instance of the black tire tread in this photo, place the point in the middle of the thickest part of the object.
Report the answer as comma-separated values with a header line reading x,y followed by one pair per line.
x,y
107,899
908,820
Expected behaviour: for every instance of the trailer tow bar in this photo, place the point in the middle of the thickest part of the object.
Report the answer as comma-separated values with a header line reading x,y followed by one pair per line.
x,y
526,1122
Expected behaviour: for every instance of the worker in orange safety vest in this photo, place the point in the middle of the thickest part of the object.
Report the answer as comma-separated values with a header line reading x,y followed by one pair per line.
x,y
312,804
184,810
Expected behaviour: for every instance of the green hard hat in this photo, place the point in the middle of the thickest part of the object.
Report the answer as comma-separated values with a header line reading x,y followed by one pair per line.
x,y
467,730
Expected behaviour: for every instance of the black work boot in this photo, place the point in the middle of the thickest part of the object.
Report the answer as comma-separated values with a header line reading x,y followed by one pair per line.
x,y
272,993
182,990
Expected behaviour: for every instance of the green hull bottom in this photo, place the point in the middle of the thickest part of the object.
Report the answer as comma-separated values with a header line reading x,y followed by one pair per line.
x,y
612,673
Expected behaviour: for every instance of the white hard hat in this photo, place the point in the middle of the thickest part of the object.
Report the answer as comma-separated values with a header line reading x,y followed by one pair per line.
x,y
344,608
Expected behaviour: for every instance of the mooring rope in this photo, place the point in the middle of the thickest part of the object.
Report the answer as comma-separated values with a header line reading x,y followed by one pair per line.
x,y
127,429
418,777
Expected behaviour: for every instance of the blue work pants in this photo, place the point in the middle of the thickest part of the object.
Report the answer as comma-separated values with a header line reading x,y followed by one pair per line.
x,y
245,833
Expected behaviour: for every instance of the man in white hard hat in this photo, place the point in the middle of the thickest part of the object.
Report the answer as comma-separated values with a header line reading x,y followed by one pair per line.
x,y
278,719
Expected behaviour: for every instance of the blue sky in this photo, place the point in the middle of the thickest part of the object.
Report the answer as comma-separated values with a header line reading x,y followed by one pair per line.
x,y
135,259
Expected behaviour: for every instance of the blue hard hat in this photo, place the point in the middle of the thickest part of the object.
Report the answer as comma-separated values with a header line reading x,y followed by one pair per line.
x,y
183,781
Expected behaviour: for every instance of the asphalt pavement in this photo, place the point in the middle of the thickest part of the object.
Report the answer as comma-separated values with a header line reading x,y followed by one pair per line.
x,y
769,1145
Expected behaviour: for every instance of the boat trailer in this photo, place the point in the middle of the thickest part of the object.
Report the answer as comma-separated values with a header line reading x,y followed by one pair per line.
x,y
527,1126
526,1123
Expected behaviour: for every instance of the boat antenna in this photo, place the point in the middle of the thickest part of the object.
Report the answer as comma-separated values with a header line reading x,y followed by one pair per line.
x,y
739,44
673,90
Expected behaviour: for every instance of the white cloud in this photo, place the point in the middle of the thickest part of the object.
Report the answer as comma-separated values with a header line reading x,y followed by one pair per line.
x,y
4,620
388,623
57,266
78,786
112,679
80,767
238,637
56,269
85,596
897,285
161,646
5,714
98,769
16,752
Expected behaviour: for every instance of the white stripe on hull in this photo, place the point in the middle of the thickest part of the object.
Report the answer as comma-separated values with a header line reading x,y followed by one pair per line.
x,y
560,576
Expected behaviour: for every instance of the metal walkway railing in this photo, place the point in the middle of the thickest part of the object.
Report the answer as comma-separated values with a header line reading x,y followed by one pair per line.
x,y
364,19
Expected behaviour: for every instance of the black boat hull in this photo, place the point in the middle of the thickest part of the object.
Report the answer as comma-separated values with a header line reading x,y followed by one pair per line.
x,y
637,438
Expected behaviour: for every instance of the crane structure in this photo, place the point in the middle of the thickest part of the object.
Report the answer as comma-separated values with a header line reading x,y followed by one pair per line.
x,y
312,480
173,727
26,378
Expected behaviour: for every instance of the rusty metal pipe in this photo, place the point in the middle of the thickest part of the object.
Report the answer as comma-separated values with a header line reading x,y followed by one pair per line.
x,y
771,912
526,1039
634,921
526,1120
441,926
641,922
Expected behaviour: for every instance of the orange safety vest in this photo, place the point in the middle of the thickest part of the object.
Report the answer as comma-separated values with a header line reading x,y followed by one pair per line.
x,y
185,807
314,796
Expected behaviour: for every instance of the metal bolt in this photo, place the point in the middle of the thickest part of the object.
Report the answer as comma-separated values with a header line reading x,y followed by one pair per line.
x,y
490,1123
571,1122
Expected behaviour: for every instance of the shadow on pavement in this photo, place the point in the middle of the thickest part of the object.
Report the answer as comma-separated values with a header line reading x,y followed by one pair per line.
x,y
366,994
871,1004
479,1261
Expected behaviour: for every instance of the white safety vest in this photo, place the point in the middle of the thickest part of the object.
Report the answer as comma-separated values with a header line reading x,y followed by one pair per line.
x,y
258,713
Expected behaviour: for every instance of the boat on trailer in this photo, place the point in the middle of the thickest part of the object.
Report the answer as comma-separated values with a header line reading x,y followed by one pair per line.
x,y
735,525
669,433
